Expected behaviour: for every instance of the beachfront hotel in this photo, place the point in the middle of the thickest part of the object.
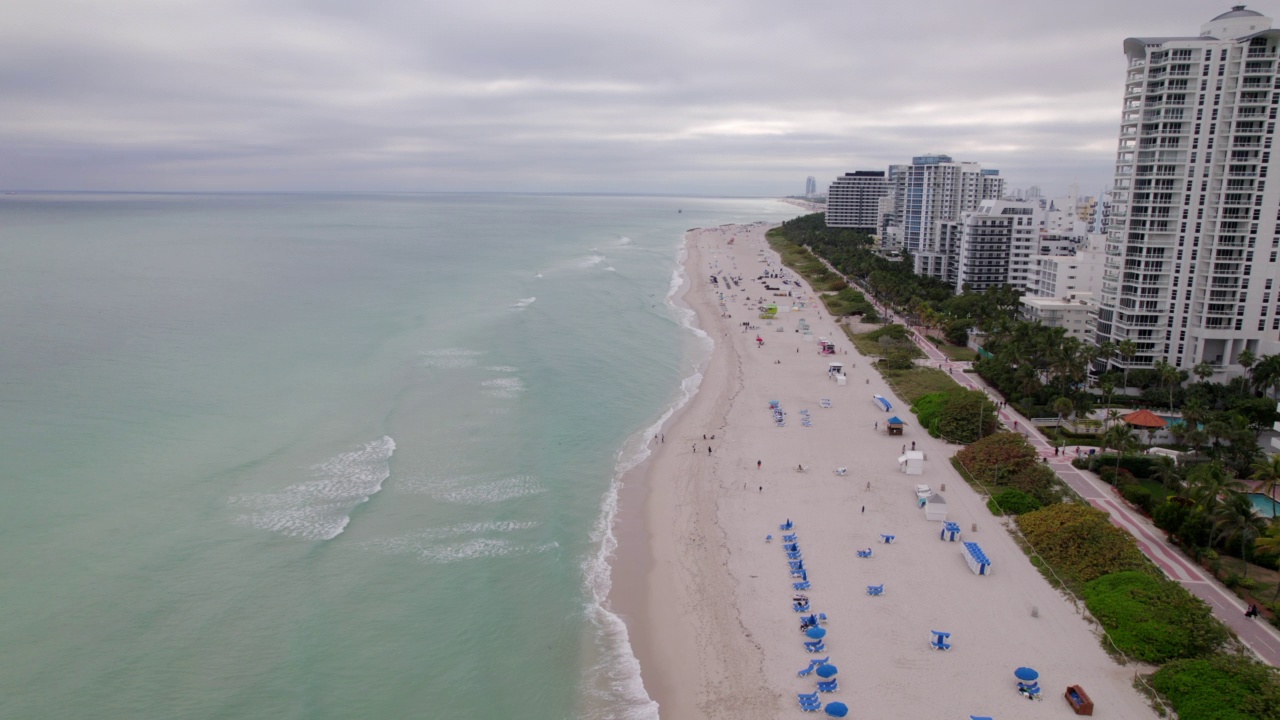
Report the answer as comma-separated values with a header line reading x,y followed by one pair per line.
x,y
930,192
853,200
1191,271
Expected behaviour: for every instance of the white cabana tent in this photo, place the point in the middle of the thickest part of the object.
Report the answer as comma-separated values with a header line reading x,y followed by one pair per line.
x,y
911,462
935,508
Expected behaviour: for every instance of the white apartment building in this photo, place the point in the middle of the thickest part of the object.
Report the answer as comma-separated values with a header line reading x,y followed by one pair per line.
x,y
853,200
997,244
1058,276
1191,269
1071,312
933,190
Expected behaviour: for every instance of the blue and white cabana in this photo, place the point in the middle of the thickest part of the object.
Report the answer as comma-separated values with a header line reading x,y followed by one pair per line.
x,y
950,531
882,403
976,559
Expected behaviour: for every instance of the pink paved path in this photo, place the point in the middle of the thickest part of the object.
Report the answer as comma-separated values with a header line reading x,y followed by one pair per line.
x,y
1257,635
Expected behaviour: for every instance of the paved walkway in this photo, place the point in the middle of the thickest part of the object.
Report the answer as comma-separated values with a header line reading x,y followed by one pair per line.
x,y
1258,635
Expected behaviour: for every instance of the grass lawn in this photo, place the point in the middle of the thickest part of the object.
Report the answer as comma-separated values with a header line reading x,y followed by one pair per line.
x,y
873,349
955,352
911,385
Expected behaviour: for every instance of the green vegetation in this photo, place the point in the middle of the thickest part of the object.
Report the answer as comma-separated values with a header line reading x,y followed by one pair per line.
x,y
890,343
1012,501
1220,687
1080,542
916,381
956,414
1153,619
850,302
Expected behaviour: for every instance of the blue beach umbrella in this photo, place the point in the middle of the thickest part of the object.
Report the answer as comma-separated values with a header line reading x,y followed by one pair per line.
x,y
836,709
1026,674
827,670
815,632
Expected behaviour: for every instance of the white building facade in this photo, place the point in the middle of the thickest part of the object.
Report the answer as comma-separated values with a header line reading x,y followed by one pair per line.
x,y
1191,269
933,190
853,200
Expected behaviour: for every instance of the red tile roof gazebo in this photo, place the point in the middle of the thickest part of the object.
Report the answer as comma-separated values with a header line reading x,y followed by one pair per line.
x,y
1144,419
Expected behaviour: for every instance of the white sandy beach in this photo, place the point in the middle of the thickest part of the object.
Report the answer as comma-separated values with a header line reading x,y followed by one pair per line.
x,y
708,602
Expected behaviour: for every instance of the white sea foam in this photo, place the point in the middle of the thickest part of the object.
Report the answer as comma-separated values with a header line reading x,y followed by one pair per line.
x,y
319,509
592,260
618,686
450,358
610,268
522,304
507,387
624,240
441,545
502,368
473,490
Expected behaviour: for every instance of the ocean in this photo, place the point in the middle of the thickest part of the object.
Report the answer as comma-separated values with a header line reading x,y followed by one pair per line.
x,y
329,456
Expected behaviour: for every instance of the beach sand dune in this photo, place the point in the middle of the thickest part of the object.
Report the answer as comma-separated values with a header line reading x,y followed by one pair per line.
x,y
708,600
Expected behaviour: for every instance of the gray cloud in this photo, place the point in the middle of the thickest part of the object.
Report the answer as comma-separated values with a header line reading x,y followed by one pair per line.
x,y
703,96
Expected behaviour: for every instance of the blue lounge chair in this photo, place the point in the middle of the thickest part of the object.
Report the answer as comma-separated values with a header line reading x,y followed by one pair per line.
x,y
815,646
808,621
768,538
875,589
808,670
796,564
808,698
864,553
790,538
939,641
801,573
795,556
829,686
802,585
887,539
791,547
786,525
939,645
800,608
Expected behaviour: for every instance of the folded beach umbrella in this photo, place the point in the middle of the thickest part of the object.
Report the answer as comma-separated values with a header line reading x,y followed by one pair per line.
x,y
836,709
827,670
1026,674
815,632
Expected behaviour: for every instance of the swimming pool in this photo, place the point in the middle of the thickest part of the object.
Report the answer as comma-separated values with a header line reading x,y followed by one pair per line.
x,y
1263,504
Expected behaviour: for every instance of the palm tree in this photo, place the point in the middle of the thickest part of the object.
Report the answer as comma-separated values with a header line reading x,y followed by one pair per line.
x,y
1169,376
1063,406
1246,359
1267,472
1127,350
1203,370
1165,471
1207,485
1266,373
1269,544
1119,436
1238,518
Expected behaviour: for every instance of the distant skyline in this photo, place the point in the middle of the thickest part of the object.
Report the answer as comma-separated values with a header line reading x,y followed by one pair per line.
x,y
701,97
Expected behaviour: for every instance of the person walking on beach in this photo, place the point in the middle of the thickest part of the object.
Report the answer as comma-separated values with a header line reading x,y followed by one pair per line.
x,y
913,444
877,425
708,449
758,464
695,447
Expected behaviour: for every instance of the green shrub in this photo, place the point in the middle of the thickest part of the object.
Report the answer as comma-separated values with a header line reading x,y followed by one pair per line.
x,y
1139,496
1037,481
1011,501
893,332
997,456
928,408
1080,542
1153,619
965,412
1220,687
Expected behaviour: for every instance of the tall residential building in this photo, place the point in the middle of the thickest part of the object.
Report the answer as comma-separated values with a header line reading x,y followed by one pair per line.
x,y
810,187
853,200
997,243
1191,270
933,190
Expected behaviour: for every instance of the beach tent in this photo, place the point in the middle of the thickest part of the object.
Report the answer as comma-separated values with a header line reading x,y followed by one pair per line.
x,y
881,403
835,368
935,508
769,312
895,425
911,462
976,559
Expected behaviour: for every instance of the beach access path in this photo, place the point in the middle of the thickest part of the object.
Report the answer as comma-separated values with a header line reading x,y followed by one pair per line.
x,y
1256,634
707,598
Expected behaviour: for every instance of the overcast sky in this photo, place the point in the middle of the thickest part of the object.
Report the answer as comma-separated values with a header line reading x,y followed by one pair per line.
x,y
732,97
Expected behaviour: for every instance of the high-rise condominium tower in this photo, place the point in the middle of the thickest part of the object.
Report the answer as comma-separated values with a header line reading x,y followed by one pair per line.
x,y
1191,272
810,186
853,200
929,194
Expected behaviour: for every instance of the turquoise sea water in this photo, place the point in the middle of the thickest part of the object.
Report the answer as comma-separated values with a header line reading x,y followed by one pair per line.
x,y
273,456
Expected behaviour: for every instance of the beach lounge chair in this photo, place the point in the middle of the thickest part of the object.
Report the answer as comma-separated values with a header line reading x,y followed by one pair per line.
x,y
815,646
802,585
808,621
825,402
810,707
875,589
801,573
864,553
792,537
887,539
791,547
829,686
939,645
939,641
800,607
841,471
786,525
794,556
809,697
796,564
